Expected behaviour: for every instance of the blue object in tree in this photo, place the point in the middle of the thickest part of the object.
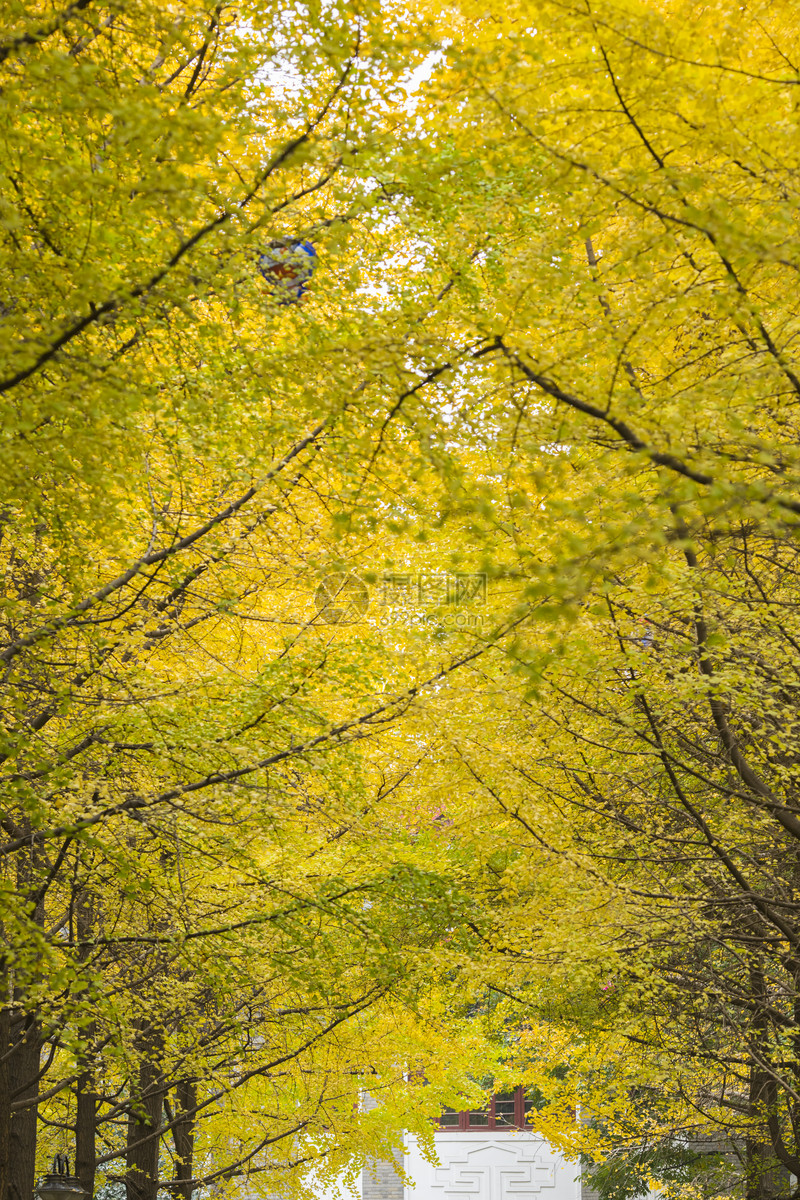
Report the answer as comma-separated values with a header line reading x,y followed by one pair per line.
x,y
287,266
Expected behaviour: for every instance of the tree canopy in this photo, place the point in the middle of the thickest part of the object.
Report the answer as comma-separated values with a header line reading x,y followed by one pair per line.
x,y
429,633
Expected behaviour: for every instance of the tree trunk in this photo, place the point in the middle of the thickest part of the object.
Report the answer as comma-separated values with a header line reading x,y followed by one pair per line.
x,y
186,1100
86,1099
85,1129
5,1101
144,1126
23,1046
23,1077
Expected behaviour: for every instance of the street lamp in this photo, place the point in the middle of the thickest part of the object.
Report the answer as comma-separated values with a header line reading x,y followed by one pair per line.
x,y
59,1184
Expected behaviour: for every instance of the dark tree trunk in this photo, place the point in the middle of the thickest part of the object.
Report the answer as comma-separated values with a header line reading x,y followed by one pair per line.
x,y
86,1099
144,1125
5,1101
23,1046
19,1067
23,1077
85,1128
186,1100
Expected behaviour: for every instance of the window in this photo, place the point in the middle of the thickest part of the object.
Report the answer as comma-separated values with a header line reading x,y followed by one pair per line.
x,y
506,1110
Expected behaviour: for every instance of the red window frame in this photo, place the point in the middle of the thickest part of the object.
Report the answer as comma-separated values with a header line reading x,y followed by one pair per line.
x,y
489,1119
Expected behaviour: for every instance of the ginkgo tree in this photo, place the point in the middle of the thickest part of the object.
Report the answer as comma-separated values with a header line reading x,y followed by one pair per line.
x,y
548,342
638,800
216,919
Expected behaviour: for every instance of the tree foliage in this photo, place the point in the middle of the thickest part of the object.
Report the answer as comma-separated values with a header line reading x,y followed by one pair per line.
x,y
218,916
642,796
544,381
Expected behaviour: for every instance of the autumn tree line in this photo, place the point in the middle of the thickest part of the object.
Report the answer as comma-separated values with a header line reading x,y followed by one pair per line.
x,y
400,680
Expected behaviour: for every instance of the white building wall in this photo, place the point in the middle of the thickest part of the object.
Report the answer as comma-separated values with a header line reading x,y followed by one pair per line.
x,y
516,1165
513,1165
